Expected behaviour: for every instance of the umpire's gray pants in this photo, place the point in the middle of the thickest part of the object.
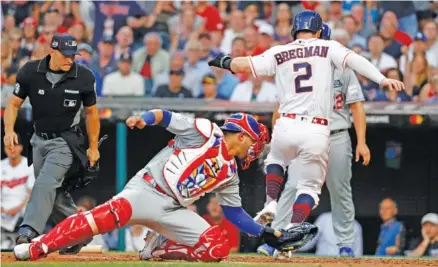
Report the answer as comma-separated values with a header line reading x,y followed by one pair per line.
x,y
51,161
338,184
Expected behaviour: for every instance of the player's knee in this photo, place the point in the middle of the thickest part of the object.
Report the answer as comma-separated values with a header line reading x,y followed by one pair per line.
x,y
113,214
216,245
313,195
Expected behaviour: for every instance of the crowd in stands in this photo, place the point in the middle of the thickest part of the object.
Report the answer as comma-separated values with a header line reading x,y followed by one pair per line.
x,y
161,48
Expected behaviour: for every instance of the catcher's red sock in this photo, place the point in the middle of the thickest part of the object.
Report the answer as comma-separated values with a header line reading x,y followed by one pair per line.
x,y
302,208
274,180
84,225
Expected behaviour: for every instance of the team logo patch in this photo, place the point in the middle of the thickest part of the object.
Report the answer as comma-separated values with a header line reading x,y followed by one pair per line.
x,y
69,103
337,83
17,88
41,91
55,44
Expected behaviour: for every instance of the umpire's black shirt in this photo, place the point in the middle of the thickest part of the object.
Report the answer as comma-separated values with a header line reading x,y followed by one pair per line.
x,y
55,106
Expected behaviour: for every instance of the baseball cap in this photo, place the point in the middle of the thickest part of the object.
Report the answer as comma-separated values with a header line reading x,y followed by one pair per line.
x,y
125,57
65,43
179,72
209,79
108,40
430,217
86,47
266,29
420,37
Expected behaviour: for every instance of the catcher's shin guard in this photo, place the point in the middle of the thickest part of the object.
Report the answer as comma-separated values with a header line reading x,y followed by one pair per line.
x,y
212,246
80,227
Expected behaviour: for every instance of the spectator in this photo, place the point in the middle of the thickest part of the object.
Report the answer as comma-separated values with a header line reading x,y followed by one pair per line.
x,y
215,216
176,63
8,23
17,52
151,60
238,50
394,39
324,13
207,50
40,51
86,203
194,68
79,32
336,11
134,237
174,89
226,82
210,14
429,92
123,82
16,184
283,24
251,13
429,232
46,35
250,36
20,10
394,96
103,62
341,36
85,56
29,34
184,27
125,38
392,232
265,38
365,27
235,29
380,59
430,30
54,18
416,75
110,16
352,27
256,89
209,88
405,12
326,240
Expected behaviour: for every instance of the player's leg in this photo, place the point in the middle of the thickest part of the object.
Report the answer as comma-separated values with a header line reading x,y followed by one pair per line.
x,y
313,161
338,184
52,159
184,235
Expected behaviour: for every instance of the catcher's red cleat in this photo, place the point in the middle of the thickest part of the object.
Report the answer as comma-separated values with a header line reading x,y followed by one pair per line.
x,y
30,251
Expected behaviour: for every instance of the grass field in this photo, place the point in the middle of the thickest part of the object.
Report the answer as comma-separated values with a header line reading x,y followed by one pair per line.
x,y
236,260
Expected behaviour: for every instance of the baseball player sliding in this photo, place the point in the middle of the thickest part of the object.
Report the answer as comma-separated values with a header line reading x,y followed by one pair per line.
x,y
347,95
303,73
199,160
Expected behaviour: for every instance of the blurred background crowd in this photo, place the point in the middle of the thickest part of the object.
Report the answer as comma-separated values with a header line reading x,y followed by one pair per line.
x,y
161,48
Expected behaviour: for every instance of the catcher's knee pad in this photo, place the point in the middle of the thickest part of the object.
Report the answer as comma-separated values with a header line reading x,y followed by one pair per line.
x,y
212,245
104,218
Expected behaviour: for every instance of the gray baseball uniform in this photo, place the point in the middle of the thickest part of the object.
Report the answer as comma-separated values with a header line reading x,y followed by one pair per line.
x,y
162,213
346,91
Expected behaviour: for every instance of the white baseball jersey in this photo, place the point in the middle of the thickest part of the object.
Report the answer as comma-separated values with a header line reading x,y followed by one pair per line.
x,y
304,74
347,90
15,182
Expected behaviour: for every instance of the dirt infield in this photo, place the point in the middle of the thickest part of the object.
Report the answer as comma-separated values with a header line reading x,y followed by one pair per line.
x,y
247,259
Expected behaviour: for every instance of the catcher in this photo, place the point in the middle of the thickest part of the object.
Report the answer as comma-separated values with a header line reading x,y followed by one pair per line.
x,y
199,160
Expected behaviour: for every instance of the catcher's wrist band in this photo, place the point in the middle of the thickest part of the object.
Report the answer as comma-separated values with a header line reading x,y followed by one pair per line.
x,y
148,117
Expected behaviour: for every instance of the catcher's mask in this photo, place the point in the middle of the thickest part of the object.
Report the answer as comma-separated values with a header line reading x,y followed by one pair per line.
x,y
242,122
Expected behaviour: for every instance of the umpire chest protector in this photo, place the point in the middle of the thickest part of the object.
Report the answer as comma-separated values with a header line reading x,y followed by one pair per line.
x,y
192,172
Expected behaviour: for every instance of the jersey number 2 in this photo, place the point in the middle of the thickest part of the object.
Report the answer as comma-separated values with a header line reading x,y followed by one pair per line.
x,y
303,77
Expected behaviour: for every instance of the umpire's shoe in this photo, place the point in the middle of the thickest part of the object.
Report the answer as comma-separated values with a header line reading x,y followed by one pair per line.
x,y
25,235
74,249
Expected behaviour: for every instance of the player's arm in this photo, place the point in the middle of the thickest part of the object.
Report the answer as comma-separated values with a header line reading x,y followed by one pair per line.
x,y
160,117
275,115
263,64
343,57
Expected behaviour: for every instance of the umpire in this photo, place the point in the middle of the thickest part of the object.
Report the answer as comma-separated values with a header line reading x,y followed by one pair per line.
x,y
56,87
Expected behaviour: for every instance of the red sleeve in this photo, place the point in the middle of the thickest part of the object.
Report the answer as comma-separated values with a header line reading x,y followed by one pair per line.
x,y
214,21
403,38
232,233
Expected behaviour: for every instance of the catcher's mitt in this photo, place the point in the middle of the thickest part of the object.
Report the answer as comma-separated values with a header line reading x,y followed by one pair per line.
x,y
291,239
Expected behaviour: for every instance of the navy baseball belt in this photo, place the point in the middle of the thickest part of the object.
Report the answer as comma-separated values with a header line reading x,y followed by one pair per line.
x,y
53,135
338,131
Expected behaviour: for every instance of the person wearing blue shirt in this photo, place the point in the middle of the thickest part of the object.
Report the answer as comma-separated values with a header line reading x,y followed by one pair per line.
x,y
86,52
392,232
226,82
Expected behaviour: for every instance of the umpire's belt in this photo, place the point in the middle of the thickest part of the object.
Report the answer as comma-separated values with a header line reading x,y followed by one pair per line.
x,y
309,119
52,135
150,180
337,131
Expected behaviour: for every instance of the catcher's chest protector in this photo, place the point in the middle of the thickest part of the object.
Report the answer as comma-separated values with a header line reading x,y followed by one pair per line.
x,y
193,172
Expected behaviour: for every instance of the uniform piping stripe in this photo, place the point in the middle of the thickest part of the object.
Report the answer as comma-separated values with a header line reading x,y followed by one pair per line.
x,y
343,61
252,67
90,219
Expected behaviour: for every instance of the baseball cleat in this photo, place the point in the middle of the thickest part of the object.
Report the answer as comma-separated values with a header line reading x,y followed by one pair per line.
x,y
266,250
30,251
153,240
346,252
25,235
281,255
267,214
74,249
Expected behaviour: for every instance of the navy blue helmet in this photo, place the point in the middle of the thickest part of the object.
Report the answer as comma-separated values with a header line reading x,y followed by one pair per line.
x,y
326,32
306,21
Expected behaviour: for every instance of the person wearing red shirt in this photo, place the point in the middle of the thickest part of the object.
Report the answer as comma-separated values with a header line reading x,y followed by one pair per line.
x,y
211,14
215,216
310,5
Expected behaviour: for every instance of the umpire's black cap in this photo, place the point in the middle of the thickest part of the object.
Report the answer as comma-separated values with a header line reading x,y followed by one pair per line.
x,y
65,43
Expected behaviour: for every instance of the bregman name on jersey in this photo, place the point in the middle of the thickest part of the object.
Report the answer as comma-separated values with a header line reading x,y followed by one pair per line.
x,y
311,51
